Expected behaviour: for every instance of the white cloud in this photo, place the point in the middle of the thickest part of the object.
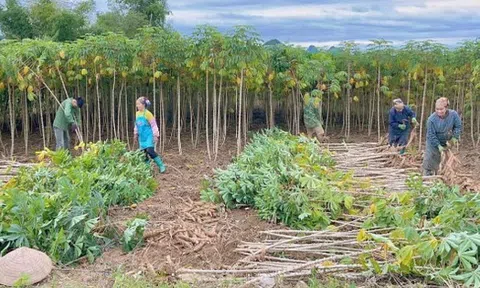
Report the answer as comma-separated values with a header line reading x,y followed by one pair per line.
x,y
198,17
440,7
310,11
327,43
446,41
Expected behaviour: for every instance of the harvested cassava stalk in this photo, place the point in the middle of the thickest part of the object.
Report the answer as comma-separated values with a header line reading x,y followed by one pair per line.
x,y
307,265
152,234
197,248
245,271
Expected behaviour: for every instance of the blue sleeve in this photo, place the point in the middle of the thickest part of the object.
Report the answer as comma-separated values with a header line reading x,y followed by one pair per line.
x,y
457,126
431,135
391,119
410,112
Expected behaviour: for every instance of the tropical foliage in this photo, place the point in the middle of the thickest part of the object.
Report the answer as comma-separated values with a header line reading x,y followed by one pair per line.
x,y
431,231
287,178
210,84
60,205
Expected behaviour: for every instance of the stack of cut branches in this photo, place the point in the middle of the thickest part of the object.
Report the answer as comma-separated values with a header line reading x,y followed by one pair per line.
x,y
8,169
451,174
376,165
292,254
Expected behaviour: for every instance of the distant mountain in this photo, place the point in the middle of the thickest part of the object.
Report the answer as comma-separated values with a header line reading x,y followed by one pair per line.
x,y
312,49
335,50
272,42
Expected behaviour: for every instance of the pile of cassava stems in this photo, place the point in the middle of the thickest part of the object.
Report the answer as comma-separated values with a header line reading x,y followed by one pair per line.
x,y
373,163
9,169
290,254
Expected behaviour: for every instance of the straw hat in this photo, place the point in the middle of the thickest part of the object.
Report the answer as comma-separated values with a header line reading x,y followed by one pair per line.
x,y
24,262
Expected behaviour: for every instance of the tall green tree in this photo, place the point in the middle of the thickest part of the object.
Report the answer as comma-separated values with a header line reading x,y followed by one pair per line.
x,y
119,22
15,22
45,19
155,11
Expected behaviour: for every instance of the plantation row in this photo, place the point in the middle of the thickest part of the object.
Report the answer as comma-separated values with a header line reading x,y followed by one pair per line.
x,y
429,232
209,84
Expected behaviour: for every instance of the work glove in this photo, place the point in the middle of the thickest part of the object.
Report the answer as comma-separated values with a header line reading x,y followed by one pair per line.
x,y
74,127
441,149
452,142
414,121
402,126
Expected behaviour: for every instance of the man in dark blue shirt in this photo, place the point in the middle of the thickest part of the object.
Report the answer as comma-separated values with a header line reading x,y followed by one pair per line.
x,y
443,128
399,127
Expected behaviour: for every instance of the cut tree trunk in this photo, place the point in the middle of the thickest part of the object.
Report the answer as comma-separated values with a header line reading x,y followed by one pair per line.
x,y
239,136
99,119
206,118
11,106
423,109
270,104
379,76
179,129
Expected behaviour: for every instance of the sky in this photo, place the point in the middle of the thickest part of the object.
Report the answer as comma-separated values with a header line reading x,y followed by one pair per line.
x,y
328,22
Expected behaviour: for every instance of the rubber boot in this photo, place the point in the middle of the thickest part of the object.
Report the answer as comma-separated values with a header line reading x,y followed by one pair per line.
x,y
402,151
160,164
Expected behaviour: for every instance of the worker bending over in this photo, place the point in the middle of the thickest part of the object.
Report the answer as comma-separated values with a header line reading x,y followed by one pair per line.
x,y
311,117
444,127
399,128
68,117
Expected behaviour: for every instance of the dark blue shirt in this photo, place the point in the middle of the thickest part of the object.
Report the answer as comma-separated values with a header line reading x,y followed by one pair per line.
x,y
396,118
441,130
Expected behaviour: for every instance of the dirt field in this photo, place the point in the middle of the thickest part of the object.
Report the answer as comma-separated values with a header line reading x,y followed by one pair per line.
x,y
176,214
173,211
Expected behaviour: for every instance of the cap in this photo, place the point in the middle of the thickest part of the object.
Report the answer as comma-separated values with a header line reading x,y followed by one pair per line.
x,y
80,102
397,101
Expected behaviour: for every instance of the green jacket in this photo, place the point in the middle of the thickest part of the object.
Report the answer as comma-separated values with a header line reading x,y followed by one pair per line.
x,y
67,115
311,117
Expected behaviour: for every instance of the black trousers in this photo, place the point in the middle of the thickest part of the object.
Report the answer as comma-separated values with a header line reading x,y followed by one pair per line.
x,y
150,152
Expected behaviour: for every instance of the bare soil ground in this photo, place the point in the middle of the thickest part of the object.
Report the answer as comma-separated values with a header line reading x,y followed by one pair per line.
x,y
182,230
176,216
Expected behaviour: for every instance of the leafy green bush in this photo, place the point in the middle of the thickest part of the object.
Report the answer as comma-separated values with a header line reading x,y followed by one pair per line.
x,y
133,235
55,206
287,178
431,231
436,228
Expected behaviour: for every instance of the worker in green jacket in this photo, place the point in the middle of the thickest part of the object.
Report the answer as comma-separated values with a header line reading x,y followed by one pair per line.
x,y
311,117
67,118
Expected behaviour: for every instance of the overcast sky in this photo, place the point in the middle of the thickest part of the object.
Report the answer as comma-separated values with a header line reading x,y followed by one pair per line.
x,y
327,22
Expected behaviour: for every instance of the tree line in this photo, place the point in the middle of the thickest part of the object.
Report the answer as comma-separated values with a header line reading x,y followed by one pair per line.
x,y
68,21
208,86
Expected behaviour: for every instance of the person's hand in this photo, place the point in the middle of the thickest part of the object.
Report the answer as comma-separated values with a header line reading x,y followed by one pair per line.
x,y
452,142
441,149
74,127
402,126
414,121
